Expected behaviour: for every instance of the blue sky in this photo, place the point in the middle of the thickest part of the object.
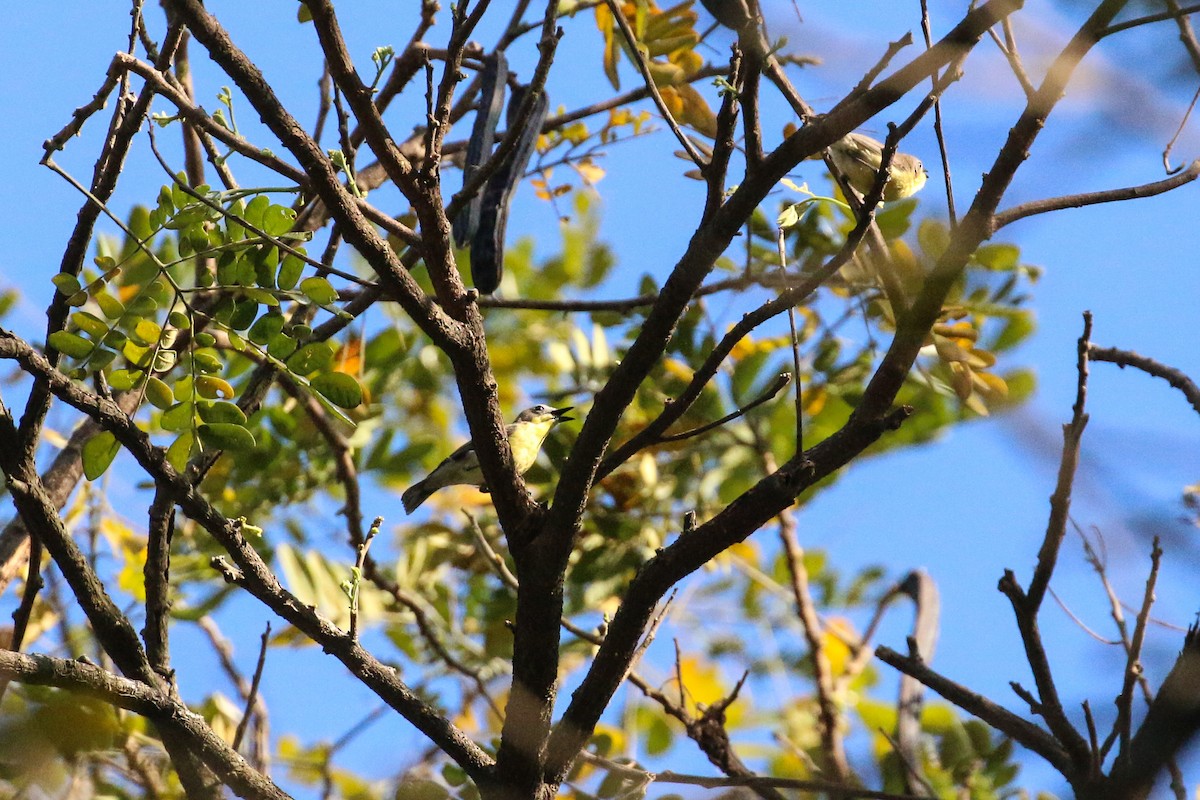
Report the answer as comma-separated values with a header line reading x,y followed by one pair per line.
x,y
966,507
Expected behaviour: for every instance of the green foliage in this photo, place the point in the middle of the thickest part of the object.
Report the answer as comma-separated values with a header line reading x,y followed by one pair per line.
x,y
187,304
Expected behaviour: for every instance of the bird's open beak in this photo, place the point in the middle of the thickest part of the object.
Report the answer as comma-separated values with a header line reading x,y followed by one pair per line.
x,y
560,414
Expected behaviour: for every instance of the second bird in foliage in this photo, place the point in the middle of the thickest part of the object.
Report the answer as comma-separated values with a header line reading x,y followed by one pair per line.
x,y
461,468
858,157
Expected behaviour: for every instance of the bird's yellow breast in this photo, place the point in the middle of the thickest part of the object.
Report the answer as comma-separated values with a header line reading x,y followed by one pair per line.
x,y
525,439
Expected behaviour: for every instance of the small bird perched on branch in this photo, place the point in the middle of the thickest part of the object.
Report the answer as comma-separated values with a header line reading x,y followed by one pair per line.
x,y
461,468
858,157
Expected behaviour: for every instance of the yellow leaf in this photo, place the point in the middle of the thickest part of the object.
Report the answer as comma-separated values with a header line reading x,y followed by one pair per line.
x,y
838,631
948,350
748,551
575,134
648,471
54,437
589,171
688,60
991,384
981,359
696,111
619,116
961,380
607,26
677,368
701,681
814,400
976,404
350,356
667,76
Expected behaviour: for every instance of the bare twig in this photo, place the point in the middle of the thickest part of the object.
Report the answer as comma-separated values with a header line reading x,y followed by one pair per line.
x,y
1173,376
777,385
926,30
1011,215
1133,667
252,705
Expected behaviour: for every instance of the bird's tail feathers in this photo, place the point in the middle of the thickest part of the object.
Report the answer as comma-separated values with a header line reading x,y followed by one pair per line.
x,y
415,495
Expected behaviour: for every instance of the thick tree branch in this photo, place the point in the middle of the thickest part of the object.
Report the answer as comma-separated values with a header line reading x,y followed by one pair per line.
x,y
155,705
1021,730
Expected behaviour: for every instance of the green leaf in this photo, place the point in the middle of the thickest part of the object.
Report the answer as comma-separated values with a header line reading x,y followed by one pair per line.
x,y
281,346
124,379
289,272
66,283
206,361
319,290
339,388
310,358
70,344
146,331
178,417
180,451
159,394
261,296
226,436
213,388
244,312
420,789
221,411
142,306
97,453
266,328
998,256
255,210
101,359
90,324
111,307
933,237
277,220
138,355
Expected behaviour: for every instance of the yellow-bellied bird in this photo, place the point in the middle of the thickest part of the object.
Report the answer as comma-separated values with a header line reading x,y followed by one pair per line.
x,y
461,468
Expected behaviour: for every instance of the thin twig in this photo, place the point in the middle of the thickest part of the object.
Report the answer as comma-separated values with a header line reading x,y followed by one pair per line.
x,y
1009,48
1127,358
363,546
937,119
754,782
777,385
1011,215
251,705
1133,667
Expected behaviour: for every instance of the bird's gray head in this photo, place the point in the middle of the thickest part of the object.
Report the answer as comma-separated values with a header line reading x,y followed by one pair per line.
x,y
544,413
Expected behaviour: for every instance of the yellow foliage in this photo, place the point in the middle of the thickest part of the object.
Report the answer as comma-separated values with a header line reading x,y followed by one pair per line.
x,y
590,171
838,630
678,368
701,681
814,400
695,111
